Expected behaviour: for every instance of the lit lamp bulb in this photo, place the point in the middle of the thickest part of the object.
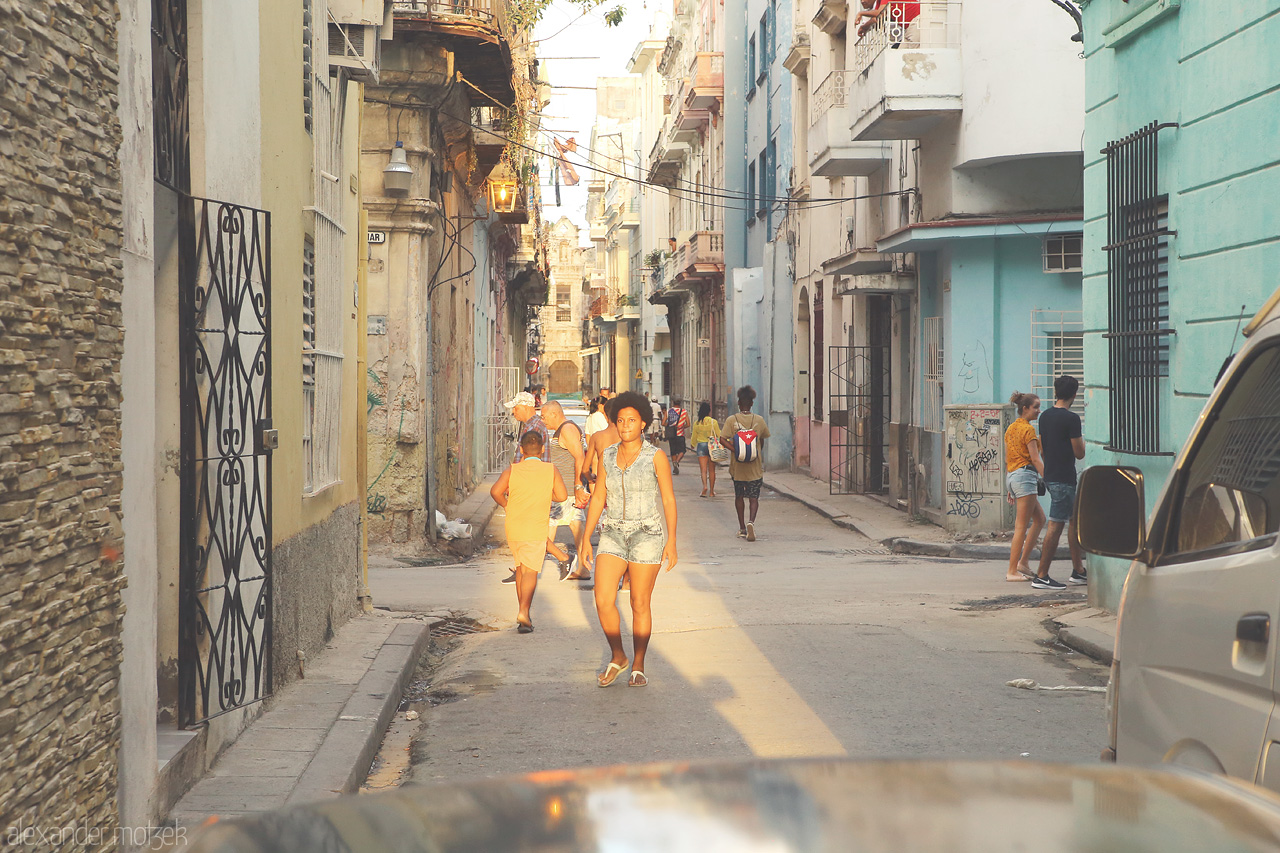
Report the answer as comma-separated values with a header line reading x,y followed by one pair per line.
x,y
502,189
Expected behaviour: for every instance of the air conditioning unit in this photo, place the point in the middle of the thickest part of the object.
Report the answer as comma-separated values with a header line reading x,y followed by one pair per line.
x,y
356,47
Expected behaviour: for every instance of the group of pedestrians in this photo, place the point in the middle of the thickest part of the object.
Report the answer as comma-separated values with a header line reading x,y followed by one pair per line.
x,y
1037,464
622,484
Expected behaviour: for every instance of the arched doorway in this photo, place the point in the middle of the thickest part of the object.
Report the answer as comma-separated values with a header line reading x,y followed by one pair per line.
x,y
564,377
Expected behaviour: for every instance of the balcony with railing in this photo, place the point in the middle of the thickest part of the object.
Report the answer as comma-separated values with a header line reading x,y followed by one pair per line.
x,y
631,210
488,131
705,87
906,74
472,30
628,306
667,157
832,150
702,254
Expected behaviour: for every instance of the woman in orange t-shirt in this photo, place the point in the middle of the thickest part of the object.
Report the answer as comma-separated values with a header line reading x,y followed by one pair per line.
x,y
1025,467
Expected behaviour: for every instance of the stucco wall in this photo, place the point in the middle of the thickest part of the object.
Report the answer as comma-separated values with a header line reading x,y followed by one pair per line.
x,y
60,456
313,588
1218,170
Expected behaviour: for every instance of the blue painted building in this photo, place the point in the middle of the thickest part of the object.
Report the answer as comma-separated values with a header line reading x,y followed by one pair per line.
x,y
938,246
758,262
1184,99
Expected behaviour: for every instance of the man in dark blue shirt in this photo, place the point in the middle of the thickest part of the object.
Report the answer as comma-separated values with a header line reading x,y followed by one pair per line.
x,y
1061,443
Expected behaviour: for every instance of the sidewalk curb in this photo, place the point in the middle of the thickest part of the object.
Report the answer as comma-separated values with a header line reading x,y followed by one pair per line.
x,y
898,544
1088,641
837,517
342,762
958,550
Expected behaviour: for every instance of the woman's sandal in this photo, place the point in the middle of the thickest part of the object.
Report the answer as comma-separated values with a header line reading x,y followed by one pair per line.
x,y
637,679
610,674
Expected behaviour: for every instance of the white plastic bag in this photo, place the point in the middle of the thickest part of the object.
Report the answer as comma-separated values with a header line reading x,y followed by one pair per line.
x,y
457,529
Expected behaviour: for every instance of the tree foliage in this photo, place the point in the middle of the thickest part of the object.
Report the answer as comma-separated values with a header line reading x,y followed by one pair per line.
x,y
525,14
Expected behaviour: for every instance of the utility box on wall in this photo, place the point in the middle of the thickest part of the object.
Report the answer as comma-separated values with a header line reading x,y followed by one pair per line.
x,y
974,497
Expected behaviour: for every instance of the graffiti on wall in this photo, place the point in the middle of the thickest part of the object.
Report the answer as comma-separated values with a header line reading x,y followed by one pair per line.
x,y
972,366
975,459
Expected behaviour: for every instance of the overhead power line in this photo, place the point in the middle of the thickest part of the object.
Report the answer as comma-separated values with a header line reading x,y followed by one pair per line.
x,y
705,191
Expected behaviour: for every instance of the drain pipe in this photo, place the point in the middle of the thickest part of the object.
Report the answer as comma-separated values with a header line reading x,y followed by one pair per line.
x,y
428,385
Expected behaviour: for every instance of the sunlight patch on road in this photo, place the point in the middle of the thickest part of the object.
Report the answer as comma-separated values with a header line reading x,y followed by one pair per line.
x,y
745,688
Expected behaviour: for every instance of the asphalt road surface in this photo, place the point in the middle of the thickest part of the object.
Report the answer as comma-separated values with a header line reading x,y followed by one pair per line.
x,y
807,642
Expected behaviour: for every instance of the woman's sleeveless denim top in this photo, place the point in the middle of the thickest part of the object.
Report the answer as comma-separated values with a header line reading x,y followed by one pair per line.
x,y
634,500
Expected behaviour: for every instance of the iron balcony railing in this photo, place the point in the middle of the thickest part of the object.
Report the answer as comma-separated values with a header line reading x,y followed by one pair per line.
x,y
481,10
831,92
905,24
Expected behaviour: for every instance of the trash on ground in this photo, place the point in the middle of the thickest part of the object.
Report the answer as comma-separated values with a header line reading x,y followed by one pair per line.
x,y
1032,684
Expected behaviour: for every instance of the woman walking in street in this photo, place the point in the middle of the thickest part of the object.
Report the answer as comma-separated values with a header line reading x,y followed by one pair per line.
x,y
635,482
1024,467
706,431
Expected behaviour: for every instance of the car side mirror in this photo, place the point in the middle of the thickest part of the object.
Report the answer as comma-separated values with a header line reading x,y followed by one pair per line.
x,y
1111,511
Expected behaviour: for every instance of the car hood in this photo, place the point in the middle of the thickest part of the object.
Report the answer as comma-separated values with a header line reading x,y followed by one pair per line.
x,y
783,806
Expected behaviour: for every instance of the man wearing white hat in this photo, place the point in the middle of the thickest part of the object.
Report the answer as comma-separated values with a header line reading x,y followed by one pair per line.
x,y
524,409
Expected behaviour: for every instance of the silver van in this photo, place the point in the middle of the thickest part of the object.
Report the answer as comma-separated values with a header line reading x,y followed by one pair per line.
x,y
1194,677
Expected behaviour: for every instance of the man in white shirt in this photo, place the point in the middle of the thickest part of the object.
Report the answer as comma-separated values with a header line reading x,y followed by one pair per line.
x,y
655,428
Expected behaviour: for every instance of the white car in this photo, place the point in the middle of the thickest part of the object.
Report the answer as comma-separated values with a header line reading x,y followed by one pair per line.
x,y
1194,675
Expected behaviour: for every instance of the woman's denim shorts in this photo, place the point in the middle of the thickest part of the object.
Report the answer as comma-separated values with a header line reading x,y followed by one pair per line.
x,y
704,448
1023,482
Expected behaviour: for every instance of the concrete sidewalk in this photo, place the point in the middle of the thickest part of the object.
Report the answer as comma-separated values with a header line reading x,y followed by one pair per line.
x,y
477,508
319,734
880,522
1090,632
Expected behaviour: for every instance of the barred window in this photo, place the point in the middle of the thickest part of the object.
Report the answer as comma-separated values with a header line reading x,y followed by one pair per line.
x,y
1062,253
1138,290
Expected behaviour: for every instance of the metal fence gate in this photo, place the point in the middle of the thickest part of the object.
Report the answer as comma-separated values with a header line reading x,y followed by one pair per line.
x,y
859,419
502,383
224,300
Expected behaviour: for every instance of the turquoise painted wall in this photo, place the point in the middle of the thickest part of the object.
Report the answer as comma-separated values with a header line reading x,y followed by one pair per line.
x,y
995,285
1213,68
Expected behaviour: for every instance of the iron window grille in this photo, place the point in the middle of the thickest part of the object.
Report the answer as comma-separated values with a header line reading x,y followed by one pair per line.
x,y
1138,290
1057,348
931,411
1063,253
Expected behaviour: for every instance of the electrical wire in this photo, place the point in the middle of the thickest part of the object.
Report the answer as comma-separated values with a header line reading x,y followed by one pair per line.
x,y
705,191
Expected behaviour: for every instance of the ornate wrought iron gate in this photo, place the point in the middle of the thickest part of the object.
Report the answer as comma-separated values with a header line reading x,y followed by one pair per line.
x,y
503,383
859,419
224,303
224,299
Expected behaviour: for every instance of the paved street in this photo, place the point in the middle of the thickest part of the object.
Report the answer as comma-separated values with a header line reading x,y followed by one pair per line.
x,y
786,646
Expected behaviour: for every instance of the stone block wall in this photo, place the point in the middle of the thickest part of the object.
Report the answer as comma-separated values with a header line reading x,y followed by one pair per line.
x,y
61,342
